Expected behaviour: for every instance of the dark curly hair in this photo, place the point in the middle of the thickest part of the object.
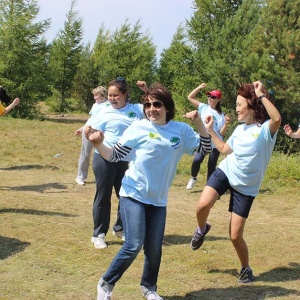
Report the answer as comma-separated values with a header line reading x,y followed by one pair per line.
x,y
248,91
121,84
158,92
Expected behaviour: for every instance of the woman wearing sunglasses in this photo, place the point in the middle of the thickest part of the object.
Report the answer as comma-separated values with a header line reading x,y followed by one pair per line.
x,y
113,119
213,107
157,144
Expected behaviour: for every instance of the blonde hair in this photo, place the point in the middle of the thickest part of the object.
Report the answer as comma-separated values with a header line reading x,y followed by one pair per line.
x,y
100,90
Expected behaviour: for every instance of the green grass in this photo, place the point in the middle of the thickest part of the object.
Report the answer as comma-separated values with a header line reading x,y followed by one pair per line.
x,y
46,226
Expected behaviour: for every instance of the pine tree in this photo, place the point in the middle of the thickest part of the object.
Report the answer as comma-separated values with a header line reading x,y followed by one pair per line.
x,y
23,52
65,58
128,53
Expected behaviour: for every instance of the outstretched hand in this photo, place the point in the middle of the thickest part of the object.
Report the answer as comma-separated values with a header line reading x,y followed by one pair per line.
x,y
288,130
96,137
16,102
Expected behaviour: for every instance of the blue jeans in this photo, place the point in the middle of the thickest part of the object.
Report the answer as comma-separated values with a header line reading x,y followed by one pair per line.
x,y
143,224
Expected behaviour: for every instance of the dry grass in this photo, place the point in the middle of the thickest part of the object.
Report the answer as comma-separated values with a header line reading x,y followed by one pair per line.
x,y
46,226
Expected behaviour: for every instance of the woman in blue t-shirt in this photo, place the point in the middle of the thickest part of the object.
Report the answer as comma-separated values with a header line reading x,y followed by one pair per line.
x,y
212,107
248,151
101,102
108,175
156,145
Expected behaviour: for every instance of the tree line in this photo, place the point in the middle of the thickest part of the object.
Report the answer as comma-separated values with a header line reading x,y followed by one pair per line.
x,y
224,43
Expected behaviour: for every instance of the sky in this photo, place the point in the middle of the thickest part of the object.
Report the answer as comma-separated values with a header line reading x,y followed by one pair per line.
x,y
159,18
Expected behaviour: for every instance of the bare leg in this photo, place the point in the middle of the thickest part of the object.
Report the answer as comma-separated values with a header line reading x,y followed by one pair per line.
x,y
208,198
236,230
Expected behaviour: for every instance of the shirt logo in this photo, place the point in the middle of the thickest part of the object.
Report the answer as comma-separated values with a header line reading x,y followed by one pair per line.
x,y
132,115
154,136
175,142
255,135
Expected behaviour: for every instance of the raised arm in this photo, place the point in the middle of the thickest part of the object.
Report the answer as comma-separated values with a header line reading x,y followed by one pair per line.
x,y
193,94
142,85
275,118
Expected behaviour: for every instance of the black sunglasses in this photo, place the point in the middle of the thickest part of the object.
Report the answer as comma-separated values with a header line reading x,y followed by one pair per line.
x,y
156,104
212,97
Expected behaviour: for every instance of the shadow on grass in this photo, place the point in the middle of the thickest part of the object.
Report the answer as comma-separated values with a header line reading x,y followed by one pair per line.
x,y
29,167
10,246
249,292
292,272
181,239
35,212
41,188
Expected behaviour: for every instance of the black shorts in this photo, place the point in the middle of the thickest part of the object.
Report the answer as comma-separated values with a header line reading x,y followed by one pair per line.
x,y
239,204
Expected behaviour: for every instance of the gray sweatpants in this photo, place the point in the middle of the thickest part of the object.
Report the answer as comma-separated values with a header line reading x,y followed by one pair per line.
x,y
84,158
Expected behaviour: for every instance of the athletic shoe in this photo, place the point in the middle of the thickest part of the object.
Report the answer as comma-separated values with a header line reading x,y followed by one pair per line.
x,y
79,181
103,294
246,276
191,183
98,241
150,295
119,234
198,239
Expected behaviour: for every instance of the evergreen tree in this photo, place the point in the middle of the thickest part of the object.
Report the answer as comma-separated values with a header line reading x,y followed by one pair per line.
x,y
23,52
278,38
103,63
176,70
127,53
65,58
85,80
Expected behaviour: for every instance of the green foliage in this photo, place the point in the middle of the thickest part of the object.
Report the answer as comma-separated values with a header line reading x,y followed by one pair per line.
x,y
23,54
127,53
85,80
65,56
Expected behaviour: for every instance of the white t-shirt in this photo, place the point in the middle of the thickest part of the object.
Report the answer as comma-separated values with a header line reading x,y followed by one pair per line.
x,y
219,119
96,108
252,147
157,151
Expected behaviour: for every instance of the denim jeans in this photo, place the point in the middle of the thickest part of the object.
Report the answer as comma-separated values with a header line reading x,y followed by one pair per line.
x,y
143,224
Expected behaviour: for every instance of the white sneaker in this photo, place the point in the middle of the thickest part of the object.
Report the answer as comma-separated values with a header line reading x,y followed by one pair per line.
x,y
119,234
150,295
102,294
191,183
79,181
98,241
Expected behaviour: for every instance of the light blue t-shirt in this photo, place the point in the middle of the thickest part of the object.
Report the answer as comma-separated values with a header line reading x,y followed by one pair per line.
x,y
157,151
96,108
252,147
114,121
219,119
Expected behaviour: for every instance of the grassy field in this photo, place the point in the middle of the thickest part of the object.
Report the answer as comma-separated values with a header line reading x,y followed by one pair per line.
x,y
46,226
